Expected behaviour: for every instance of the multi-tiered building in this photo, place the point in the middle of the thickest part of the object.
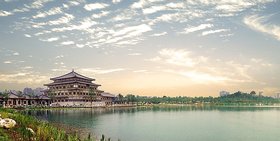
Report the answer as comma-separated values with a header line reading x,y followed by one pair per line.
x,y
75,90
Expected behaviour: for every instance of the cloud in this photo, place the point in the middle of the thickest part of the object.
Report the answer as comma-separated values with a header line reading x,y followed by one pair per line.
x,y
201,69
62,20
134,54
23,78
59,56
52,11
154,9
15,53
27,67
5,13
133,30
116,1
27,35
95,6
143,3
50,39
67,43
168,6
99,15
7,62
101,71
38,4
85,24
159,34
200,77
196,28
258,23
178,57
213,31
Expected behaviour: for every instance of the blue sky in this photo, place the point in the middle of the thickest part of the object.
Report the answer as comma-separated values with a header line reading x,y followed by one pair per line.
x,y
144,47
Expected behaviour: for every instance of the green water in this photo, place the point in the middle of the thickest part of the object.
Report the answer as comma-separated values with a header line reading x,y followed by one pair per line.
x,y
185,123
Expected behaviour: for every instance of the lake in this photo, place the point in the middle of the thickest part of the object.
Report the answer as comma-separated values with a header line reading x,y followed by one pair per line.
x,y
180,123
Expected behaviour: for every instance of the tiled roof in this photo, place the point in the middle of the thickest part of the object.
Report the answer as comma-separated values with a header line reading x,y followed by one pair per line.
x,y
71,75
69,82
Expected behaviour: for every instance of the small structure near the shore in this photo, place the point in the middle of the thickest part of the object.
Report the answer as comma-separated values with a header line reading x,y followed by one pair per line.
x,y
14,99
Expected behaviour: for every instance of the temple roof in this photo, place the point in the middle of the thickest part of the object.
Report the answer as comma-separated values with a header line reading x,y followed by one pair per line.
x,y
69,82
71,75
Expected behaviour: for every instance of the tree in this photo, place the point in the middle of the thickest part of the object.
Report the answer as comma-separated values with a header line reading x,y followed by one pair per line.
x,y
253,93
92,95
51,94
5,95
120,97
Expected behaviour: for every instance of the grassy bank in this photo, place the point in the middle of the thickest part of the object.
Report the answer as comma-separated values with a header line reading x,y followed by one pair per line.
x,y
43,131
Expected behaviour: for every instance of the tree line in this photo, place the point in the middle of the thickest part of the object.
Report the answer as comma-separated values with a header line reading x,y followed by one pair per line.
x,y
235,98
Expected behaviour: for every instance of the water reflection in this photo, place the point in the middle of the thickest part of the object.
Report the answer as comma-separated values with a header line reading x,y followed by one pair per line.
x,y
80,113
167,123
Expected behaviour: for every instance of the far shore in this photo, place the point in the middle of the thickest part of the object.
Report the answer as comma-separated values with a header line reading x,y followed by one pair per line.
x,y
156,105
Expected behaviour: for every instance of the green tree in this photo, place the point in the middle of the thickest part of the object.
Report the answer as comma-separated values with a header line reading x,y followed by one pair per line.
x,y
51,94
120,98
5,95
92,95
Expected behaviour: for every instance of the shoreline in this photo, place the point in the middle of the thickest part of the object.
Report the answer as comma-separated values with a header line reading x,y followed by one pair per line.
x,y
28,127
236,105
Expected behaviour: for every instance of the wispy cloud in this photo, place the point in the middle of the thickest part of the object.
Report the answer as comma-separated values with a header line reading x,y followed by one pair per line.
x,y
259,23
27,35
15,53
59,56
7,62
38,4
67,43
23,78
5,13
134,54
214,31
101,71
99,15
116,1
52,11
159,34
179,57
197,28
95,6
50,39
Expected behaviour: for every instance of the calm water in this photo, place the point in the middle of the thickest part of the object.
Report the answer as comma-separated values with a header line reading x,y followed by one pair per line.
x,y
173,123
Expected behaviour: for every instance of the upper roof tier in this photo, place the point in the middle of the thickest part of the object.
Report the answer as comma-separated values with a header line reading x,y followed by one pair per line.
x,y
72,74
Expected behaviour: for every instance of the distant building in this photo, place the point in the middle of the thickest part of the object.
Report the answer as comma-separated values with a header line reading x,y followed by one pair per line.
x,y
261,93
76,90
28,91
224,93
18,99
39,91
277,96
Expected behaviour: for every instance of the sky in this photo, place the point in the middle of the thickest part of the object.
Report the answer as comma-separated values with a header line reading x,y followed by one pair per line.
x,y
143,47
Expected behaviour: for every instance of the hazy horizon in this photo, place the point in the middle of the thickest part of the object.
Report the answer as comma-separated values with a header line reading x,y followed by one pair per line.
x,y
143,47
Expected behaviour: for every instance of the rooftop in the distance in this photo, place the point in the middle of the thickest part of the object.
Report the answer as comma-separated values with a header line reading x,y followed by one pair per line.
x,y
71,75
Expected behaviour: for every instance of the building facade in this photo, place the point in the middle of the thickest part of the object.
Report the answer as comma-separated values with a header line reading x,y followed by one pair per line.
x,y
76,90
17,99
224,93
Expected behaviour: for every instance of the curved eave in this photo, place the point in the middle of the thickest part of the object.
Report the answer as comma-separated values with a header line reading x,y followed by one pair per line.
x,y
57,78
51,84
